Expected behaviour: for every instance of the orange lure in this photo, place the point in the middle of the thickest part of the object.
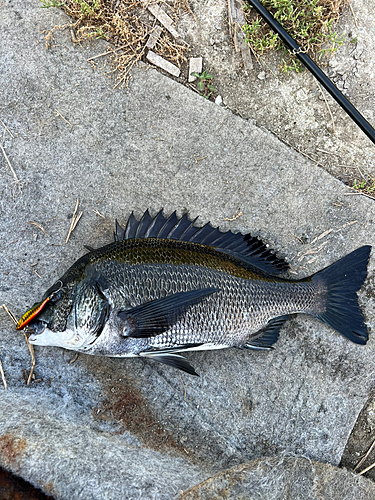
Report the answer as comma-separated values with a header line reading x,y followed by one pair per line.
x,y
31,314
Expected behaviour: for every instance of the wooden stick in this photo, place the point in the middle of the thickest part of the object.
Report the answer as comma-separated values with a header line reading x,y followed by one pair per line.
x,y
40,227
10,166
107,53
366,455
31,349
74,221
7,129
3,376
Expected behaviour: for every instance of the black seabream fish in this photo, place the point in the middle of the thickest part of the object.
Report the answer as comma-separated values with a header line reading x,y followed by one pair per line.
x,y
165,286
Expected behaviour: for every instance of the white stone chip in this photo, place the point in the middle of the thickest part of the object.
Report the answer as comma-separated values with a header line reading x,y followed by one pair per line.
x,y
195,66
162,63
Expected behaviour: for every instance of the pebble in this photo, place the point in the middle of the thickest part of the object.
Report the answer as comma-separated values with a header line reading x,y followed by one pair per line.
x,y
262,75
219,100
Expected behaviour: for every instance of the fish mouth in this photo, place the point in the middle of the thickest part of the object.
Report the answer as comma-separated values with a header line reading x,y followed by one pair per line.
x,y
35,328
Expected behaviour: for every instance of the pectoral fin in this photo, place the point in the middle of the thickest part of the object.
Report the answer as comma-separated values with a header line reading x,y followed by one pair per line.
x,y
156,317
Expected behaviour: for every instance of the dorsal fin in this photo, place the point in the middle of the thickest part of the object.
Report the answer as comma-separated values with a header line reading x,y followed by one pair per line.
x,y
243,246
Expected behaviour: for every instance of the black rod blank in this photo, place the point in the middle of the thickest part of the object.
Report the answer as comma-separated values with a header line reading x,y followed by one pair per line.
x,y
354,114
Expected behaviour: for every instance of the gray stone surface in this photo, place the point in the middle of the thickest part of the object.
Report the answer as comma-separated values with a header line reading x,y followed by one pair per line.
x,y
293,106
283,478
99,426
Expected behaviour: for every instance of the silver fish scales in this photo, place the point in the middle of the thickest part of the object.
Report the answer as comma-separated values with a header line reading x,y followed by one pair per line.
x,y
165,286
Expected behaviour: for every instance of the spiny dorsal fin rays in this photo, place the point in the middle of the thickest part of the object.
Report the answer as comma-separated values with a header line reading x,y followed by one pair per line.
x,y
156,225
169,225
143,225
131,227
245,247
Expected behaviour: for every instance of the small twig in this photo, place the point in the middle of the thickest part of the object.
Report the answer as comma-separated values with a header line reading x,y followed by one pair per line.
x,y
7,129
199,159
302,153
366,455
360,194
72,34
74,222
65,120
324,234
74,358
31,349
182,382
12,316
347,225
16,179
3,376
39,276
367,469
299,239
40,227
98,213
355,20
108,52
235,217
326,152
329,109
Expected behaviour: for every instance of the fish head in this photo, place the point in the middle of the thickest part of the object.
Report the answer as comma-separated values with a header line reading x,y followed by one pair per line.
x,y
71,315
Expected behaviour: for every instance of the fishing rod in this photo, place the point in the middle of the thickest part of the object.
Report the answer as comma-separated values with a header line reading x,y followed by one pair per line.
x,y
322,78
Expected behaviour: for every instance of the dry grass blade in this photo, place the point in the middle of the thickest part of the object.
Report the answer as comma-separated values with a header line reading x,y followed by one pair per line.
x,y
35,272
367,469
40,227
329,109
16,179
31,349
74,358
107,53
235,217
126,24
98,213
7,129
3,376
182,382
65,120
74,221
355,19
12,316
363,459
359,193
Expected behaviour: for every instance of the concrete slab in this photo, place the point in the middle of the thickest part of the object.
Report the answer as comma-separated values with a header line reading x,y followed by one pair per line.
x,y
98,427
283,477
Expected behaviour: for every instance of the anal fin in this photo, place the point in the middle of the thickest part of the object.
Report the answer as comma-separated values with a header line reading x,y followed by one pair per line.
x,y
268,335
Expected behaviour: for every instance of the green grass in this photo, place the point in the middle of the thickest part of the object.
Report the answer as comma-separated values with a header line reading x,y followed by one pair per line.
x,y
205,84
309,22
46,4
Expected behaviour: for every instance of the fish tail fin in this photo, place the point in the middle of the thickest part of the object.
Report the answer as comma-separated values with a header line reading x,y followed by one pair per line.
x,y
342,280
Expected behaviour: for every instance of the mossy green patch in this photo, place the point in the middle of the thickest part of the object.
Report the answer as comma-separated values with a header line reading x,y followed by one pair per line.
x,y
309,22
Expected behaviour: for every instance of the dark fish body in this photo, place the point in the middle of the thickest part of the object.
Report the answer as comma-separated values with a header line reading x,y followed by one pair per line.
x,y
166,286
